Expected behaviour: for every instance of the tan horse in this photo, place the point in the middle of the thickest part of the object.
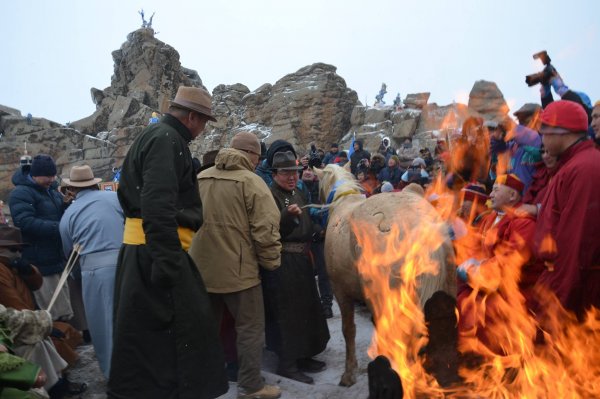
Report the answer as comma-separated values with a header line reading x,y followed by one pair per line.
x,y
407,208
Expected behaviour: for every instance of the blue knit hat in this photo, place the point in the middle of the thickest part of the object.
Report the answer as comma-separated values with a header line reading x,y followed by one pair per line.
x,y
43,165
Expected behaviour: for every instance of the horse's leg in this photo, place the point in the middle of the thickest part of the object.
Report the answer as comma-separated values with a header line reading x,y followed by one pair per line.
x,y
349,330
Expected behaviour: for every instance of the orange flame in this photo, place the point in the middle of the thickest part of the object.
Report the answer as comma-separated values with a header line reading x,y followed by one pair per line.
x,y
522,355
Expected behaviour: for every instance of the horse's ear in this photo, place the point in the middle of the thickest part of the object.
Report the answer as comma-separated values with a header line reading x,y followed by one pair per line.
x,y
318,172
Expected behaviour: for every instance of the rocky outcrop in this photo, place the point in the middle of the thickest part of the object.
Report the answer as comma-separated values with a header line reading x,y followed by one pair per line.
x,y
312,105
147,74
487,100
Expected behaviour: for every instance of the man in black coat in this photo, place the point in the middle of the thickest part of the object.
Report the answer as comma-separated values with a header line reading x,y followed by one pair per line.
x,y
165,336
358,154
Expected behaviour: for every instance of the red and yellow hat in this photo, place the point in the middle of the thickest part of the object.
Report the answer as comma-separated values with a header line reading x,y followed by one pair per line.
x,y
511,181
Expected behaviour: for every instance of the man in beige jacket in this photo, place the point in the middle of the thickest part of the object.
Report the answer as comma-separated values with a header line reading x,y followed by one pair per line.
x,y
240,233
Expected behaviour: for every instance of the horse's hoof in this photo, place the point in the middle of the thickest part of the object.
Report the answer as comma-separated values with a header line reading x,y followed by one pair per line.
x,y
347,380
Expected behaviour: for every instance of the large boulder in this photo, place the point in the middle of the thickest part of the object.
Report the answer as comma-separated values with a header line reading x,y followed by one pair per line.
x,y
147,74
487,99
312,105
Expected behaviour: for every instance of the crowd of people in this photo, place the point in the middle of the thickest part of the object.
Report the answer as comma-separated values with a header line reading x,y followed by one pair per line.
x,y
191,269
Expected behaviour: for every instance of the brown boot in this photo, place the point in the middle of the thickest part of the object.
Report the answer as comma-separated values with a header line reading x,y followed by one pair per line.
x,y
266,392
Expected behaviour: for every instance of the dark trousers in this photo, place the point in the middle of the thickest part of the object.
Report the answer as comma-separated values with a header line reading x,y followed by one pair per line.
x,y
247,309
318,252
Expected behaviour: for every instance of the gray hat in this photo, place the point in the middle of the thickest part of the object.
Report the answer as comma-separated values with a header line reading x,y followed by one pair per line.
x,y
285,160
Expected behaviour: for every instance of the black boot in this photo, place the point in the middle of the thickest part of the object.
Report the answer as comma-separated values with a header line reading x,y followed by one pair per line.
x,y
289,370
309,365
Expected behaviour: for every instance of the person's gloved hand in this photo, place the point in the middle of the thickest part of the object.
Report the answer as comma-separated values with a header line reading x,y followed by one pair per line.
x,y
558,85
23,268
463,269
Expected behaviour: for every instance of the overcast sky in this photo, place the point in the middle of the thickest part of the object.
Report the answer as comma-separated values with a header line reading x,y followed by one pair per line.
x,y
53,52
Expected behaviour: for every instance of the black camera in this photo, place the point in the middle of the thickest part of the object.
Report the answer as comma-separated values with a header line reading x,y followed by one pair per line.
x,y
545,75
314,160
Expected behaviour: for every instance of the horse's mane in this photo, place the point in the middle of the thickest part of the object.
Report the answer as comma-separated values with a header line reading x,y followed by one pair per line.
x,y
333,174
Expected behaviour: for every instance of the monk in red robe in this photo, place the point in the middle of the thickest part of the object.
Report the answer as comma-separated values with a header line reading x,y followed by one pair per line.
x,y
500,278
568,229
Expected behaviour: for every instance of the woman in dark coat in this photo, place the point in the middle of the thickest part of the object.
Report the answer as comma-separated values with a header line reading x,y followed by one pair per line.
x,y
295,326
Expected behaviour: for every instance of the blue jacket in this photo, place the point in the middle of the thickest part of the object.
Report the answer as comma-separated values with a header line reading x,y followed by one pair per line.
x,y
330,157
37,212
392,175
263,170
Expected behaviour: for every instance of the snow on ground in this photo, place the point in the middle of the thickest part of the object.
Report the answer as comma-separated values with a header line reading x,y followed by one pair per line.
x,y
326,382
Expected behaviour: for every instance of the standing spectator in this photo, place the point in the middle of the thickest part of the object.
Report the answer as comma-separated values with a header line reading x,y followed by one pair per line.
x,y
36,207
232,245
342,159
95,221
295,327
359,154
154,118
333,153
596,122
165,337
392,172
567,227
407,153
524,142
386,149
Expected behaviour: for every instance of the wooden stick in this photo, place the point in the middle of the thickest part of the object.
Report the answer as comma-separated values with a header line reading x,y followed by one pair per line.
x,y
77,248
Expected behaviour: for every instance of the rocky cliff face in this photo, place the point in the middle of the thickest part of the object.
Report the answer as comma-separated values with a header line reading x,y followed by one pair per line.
x,y
311,105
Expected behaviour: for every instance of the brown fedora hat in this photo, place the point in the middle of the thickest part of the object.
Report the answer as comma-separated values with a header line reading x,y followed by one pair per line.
x,y
10,236
285,160
194,99
81,176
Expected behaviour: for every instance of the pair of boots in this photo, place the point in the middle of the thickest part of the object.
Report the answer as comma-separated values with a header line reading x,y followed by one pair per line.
x,y
295,370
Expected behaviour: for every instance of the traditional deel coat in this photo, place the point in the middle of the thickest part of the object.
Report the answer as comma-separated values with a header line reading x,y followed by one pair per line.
x,y
165,338
295,325
567,236
509,239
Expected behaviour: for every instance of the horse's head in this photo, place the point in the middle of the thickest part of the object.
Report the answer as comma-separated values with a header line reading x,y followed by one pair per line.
x,y
338,179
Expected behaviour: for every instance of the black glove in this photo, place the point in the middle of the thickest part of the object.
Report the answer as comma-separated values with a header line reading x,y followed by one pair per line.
x,y
22,267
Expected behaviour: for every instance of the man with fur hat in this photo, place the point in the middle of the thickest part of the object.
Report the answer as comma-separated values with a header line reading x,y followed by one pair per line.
x,y
504,260
36,207
567,228
240,234
165,335
95,222
296,328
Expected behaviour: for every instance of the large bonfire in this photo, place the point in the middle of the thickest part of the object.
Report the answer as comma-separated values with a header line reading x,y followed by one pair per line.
x,y
526,355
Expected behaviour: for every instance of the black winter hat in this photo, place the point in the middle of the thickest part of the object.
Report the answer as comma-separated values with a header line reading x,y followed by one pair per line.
x,y
278,146
43,165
